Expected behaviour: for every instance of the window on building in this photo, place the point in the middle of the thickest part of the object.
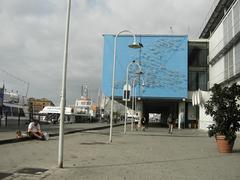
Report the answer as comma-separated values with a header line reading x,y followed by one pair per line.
x,y
198,53
202,80
228,65
237,58
192,82
227,28
198,67
236,17
197,80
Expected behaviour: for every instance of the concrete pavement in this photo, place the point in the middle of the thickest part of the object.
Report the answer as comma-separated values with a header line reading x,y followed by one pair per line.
x,y
151,155
8,133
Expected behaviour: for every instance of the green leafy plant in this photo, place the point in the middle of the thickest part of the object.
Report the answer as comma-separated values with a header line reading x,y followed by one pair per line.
x,y
224,107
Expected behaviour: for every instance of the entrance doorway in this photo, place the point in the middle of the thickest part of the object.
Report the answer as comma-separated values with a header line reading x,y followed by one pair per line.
x,y
157,111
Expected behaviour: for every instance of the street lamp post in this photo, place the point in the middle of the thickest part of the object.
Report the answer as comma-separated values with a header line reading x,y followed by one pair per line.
x,y
126,98
134,99
63,92
133,45
133,107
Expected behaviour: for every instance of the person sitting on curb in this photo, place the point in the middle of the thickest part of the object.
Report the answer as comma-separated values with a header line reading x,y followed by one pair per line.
x,y
34,130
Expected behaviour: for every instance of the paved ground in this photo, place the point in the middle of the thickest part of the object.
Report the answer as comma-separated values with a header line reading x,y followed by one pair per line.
x,y
9,132
150,155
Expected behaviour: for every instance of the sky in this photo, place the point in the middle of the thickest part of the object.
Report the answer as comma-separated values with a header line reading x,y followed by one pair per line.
x,y
32,39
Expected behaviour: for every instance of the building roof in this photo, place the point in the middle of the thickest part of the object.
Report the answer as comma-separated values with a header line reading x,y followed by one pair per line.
x,y
220,8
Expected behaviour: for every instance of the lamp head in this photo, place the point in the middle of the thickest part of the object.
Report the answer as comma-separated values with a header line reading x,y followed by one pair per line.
x,y
139,72
135,45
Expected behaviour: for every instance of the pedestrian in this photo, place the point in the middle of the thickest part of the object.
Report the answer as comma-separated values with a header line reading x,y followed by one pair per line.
x,y
146,123
136,122
143,123
170,122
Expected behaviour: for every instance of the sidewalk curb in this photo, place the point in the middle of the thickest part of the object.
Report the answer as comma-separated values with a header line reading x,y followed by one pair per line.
x,y
14,140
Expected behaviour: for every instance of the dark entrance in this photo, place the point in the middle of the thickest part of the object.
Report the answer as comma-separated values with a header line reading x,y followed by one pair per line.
x,y
161,107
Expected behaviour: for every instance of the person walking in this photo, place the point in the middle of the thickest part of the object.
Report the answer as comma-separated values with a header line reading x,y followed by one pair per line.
x,y
170,122
143,123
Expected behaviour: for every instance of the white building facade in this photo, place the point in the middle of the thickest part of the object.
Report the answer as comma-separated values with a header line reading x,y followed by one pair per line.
x,y
223,32
224,48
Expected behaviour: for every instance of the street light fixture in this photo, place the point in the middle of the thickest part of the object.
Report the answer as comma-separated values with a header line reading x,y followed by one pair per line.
x,y
63,92
126,99
134,99
133,45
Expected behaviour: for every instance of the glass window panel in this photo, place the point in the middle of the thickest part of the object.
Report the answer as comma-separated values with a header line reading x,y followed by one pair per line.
x,y
236,19
225,29
202,80
198,53
193,81
230,63
237,58
230,26
226,67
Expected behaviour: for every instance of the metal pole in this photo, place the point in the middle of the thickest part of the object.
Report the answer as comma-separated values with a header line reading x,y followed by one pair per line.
x,y
133,111
126,99
126,108
63,93
113,78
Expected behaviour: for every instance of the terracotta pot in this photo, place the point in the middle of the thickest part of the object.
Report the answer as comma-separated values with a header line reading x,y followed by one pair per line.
x,y
223,145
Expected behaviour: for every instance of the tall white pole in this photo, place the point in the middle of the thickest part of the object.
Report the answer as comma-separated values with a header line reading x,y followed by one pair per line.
x,y
113,78
133,111
63,93
113,81
126,99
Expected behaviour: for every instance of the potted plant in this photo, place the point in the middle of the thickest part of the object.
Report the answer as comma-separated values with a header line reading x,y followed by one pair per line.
x,y
224,107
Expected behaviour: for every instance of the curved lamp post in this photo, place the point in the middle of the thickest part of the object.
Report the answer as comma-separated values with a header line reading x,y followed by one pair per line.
x,y
134,99
133,45
126,99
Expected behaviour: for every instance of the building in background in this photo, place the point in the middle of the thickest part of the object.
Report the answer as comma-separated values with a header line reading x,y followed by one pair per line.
x,y
36,105
13,104
223,33
222,30
173,68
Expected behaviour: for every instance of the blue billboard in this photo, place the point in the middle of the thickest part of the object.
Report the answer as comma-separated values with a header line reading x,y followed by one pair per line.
x,y
163,61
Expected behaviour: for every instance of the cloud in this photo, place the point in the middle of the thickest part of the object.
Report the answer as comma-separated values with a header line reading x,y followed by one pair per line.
x,y
32,38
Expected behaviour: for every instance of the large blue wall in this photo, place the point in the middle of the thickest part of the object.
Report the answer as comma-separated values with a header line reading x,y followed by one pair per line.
x,y
163,59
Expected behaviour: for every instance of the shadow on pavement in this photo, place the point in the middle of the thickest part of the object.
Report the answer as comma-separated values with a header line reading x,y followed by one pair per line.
x,y
143,163
169,135
93,143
